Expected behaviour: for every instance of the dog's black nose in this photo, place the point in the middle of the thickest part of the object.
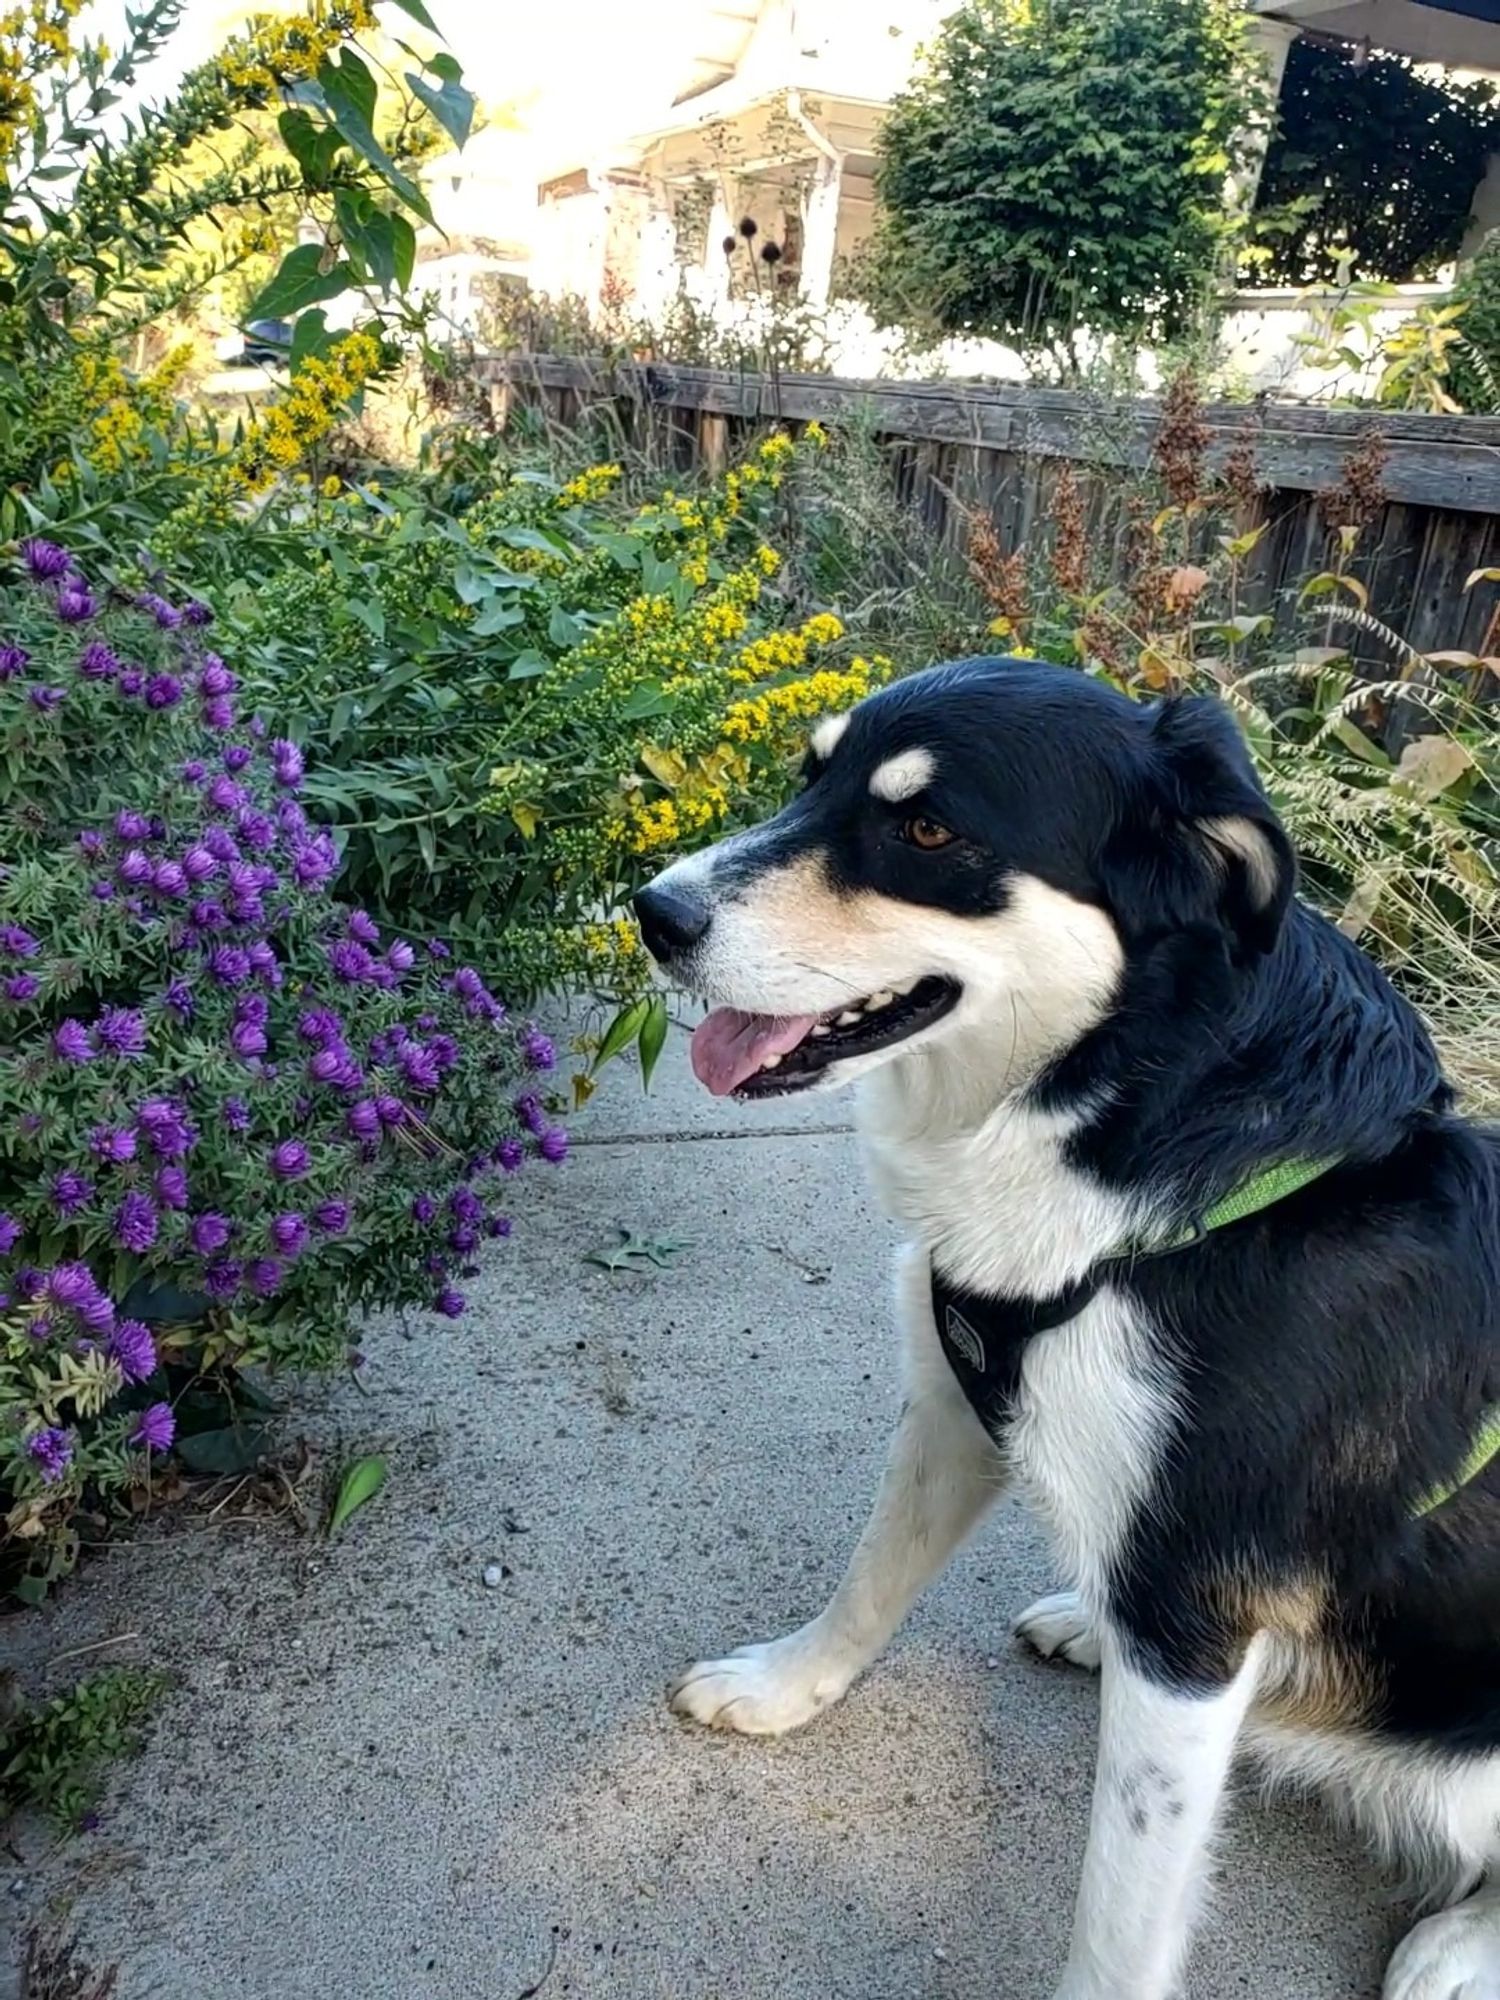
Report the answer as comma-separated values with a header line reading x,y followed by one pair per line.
x,y
670,920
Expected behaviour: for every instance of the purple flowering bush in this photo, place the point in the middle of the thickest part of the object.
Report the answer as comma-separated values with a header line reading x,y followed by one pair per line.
x,y
233,1110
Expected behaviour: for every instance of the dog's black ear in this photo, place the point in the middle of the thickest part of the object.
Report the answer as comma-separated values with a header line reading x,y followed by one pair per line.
x,y
1208,847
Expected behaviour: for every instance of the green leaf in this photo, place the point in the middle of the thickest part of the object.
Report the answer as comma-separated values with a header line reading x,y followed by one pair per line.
x,y
300,282
367,235
358,1485
418,13
634,1250
621,1032
653,1037
404,248
369,615
563,629
349,90
451,105
646,700
310,337
526,666
497,616
311,145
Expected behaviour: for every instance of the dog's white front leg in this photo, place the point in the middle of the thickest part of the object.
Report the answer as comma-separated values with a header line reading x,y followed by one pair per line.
x,y
942,1474
1164,1757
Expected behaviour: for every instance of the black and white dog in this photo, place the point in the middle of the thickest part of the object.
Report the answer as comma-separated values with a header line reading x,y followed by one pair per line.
x,y
1052,935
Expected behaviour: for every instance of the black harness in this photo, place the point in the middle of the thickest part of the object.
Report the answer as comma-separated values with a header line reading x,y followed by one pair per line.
x,y
985,1339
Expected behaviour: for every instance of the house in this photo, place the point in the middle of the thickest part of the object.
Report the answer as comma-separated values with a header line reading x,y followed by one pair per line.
x,y
773,117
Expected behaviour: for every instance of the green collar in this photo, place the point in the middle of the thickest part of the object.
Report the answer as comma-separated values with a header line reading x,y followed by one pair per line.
x,y
1275,1184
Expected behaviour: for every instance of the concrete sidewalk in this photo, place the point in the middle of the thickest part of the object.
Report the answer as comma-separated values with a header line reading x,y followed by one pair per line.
x,y
380,1780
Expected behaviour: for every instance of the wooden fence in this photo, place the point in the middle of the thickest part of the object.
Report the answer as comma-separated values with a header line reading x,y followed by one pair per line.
x,y
956,452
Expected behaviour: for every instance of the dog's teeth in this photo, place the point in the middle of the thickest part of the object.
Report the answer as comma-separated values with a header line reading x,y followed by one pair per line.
x,y
849,1016
903,985
770,1062
881,999
822,1028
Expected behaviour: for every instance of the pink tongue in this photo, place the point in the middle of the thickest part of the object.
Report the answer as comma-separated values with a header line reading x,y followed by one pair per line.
x,y
729,1045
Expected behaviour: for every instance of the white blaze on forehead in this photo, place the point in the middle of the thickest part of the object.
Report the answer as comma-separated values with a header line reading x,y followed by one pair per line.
x,y
902,777
826,735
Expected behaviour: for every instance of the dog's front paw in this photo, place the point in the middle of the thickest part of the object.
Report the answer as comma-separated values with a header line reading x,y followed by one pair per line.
x,y
758,1690
1059,1627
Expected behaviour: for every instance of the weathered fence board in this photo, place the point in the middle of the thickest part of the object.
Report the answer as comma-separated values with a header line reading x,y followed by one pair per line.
x,y
956,451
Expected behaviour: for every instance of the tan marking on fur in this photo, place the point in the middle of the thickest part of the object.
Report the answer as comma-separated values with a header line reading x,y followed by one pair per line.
x,y
1241,838
1310,1680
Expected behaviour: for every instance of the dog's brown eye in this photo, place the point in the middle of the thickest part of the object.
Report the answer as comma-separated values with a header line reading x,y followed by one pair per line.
x,y
926,834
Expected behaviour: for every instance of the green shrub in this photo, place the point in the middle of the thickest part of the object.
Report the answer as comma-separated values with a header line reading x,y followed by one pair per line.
x,y
233,1113
1474,367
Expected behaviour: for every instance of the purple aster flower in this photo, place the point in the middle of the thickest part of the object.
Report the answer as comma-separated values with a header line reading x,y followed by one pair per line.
x,y
98,662
437,949
28,1283
287,763
136,1222
215,678
131,681
331,1217
221,1278
199,865
92,845
464,1205
179,998
529,1111
290,1160
224,795
75,603
252,1007
450,1303
22,986
70,1040
467,983
229,965
329,1064
423,1209
70,1286
362,927
248,1040
236,1114
209,915
167,616
47,698
218,713
209,1232
258,831
97,1314
121,1031
313,866
71,1191
349,961
194,771
420,1067
44,559
509,1156
51,1451
134,869
196,613
163,691
498,1225
445,1052
400,957
155,1428
10,1234
553,1145
221,843
319,1025
390,1110
17,942
538,1049
237,756
463,1239
133,1350
290,817
362,1121
171,1185
113,1145
169,879
289,1233
13,660
263,1275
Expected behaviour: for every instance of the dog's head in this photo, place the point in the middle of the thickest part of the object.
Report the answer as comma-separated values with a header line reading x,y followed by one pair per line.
x,y
979,849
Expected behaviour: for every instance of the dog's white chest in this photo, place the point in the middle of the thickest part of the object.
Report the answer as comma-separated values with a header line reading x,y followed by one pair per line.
x,y
1095,1408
